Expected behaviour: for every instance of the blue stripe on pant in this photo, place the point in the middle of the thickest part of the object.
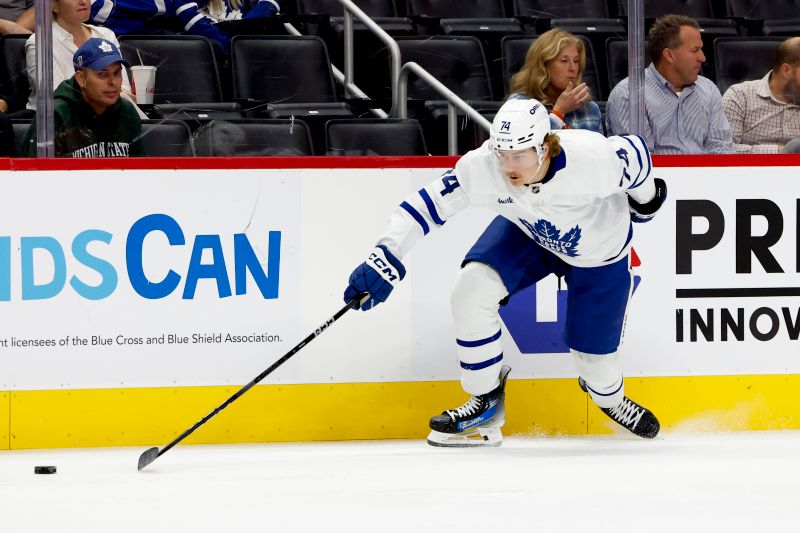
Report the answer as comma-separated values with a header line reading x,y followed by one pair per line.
x,y
482,364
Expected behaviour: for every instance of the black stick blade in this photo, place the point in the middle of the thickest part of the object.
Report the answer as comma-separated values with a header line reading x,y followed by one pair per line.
x,y
148,457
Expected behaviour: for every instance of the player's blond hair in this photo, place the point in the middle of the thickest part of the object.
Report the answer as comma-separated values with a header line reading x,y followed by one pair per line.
x,y
552,141
217,5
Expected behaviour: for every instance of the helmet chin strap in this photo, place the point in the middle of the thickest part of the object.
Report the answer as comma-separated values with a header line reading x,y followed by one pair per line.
x,y
540,151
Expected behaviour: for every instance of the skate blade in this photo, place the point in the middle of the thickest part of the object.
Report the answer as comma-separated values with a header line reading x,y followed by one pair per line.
x,y
480,438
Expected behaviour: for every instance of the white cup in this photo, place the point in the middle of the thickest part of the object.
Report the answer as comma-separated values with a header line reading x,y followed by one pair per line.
x,y
144,83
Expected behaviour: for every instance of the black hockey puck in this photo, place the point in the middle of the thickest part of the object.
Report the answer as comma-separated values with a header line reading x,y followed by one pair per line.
x,y
44,470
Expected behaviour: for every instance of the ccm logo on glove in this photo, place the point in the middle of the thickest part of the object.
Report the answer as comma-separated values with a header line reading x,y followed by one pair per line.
x,y
379,263
376,276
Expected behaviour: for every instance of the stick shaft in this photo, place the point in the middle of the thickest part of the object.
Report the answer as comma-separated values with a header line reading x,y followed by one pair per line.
x,y
316,333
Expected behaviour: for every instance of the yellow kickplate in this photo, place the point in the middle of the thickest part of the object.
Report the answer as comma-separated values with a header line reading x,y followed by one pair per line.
x,y
712,403
5,443
353,411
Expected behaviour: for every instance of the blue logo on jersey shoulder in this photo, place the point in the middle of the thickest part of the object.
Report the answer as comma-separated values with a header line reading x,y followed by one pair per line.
x,y
549,236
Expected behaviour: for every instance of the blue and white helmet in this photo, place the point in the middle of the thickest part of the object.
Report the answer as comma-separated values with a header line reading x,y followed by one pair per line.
x,y
519,124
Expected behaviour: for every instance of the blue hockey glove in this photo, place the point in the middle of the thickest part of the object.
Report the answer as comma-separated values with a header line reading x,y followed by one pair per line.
x,y
645,212
377,276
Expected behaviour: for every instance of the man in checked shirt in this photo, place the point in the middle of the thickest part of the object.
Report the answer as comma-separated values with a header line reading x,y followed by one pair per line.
x,y
765,114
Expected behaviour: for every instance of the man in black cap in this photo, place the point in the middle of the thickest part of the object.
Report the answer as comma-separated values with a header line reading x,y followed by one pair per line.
x,y
90,118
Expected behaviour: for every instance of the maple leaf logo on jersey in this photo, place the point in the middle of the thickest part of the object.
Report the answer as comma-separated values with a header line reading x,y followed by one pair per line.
x,y
549,236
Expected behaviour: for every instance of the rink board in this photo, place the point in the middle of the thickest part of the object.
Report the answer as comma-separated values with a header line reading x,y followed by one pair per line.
x,y
355,411
374,375
5,422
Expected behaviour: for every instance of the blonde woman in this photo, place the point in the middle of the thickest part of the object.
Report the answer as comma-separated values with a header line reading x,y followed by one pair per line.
x,y
221,10
552,74
70,32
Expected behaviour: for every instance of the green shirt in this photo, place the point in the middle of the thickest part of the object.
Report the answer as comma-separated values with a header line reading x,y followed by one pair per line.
x,y
80,132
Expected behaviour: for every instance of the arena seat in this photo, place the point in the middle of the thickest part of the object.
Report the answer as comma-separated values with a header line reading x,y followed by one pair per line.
x,y
464,17
490,32
697,9
196,114
485,19
167,138
460,64
161,138
16,73
559,9
462,8
187,69
743,58
384,13
20,128
773,17
282,77
617,62
281,69
373,8
375,136
259,137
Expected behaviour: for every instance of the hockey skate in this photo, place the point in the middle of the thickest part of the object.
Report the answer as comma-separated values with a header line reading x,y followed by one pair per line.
x,y
632,416
476,423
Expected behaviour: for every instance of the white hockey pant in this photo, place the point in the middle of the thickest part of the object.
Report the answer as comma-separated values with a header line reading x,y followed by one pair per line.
x,y
603,376
475,302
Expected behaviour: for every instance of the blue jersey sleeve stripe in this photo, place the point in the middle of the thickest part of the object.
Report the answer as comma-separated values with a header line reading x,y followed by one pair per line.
x,y
482,364
415,214
635,182
480,342
431,207
649,161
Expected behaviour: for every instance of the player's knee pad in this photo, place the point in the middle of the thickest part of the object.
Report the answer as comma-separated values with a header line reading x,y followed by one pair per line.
x,y
602,374
475,301
476,297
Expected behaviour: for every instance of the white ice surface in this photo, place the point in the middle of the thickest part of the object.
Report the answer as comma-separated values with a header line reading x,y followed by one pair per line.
x,y
733,482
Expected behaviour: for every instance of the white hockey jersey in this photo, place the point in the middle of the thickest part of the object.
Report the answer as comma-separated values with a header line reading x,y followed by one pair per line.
x,y
579,211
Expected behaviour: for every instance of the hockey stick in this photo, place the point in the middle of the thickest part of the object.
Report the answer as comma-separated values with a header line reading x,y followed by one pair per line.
x,y
154,453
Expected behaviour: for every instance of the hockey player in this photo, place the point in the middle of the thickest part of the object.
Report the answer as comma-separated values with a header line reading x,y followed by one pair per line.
x,y
566,200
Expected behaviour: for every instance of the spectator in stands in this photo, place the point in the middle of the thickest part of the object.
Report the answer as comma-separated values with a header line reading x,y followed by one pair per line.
x,y
683,110
70,32
16,17
220,10
552,74
765,114
147,17
7,98
90,118
7,90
